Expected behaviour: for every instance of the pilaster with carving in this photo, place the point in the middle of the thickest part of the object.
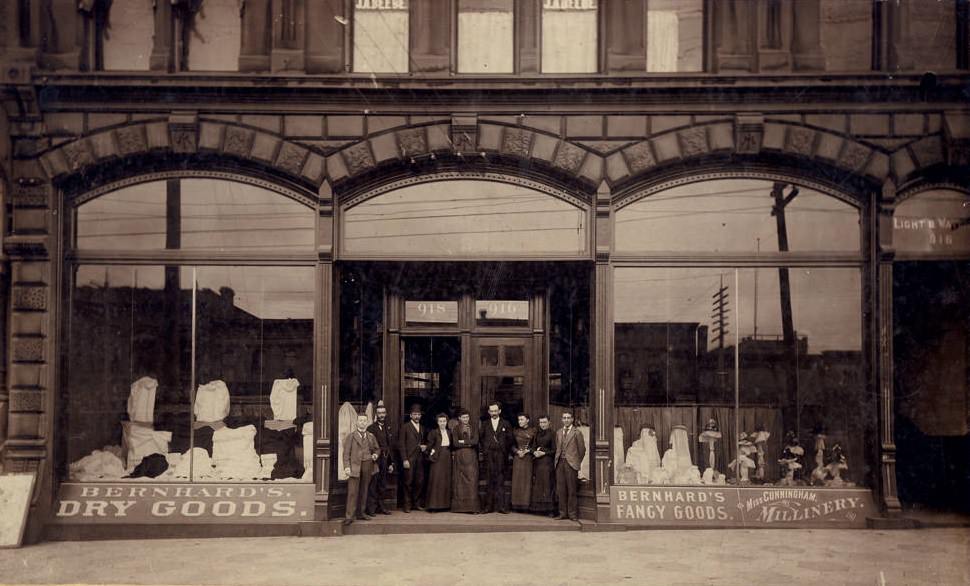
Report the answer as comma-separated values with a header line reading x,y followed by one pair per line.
x,y
324,399
601,397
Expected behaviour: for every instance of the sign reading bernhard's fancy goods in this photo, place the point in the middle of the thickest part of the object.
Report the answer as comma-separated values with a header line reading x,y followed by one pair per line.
x,y
184,503
740,507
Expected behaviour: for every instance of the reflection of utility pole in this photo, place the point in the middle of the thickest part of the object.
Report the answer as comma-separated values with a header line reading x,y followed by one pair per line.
x,y
784,289
719,329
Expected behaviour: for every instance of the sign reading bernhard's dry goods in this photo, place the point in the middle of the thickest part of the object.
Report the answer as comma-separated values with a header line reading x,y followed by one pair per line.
x,y
184,503
740,507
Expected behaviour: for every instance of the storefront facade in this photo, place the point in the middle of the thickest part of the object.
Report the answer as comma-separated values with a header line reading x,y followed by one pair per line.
x,y
207,272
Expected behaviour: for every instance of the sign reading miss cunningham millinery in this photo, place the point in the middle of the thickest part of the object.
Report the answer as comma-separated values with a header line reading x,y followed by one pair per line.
x,y
184,503
740,507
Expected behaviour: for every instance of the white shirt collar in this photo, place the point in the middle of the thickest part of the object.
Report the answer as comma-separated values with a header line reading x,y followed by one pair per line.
x,y
494,423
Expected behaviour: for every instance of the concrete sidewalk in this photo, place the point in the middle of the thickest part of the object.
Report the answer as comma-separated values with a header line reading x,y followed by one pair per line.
x,y
940,557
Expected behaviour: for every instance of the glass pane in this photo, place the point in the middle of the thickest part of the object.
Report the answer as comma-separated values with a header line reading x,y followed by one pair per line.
x,y
489,355
845,49
485,36
514,356
507,390
933,221
254,366
569,36
230,216
431,312
361,337
215,38
502,312
432,375
131,218
128,41
381,36
675,40
802,376
736,215
129,340
569,311
464,218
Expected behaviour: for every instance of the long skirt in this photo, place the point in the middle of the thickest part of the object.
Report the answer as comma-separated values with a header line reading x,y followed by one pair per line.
x,y
521,481
465,477
543,498
439,481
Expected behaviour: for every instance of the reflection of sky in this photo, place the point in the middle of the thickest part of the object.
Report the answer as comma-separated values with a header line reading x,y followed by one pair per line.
x,y
464,217
265,292
826,303
731,215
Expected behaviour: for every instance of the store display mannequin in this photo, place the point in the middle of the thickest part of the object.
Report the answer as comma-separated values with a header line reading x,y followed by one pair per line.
x,y
283,399
346,418
820,472
743,464
644,456
677,461
709,437
789,460
211,402
760,439
138,436
836,466
618,463
307,431
584,465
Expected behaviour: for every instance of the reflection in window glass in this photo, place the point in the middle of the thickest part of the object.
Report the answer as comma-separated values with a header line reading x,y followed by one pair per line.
x,y
128,39
130,374
431,312
845,49
464,217
933,221
735,215
361,337
226,215
931,40
675,35
131,218
215,39
381,36
569,36
502,312
485,36
676,333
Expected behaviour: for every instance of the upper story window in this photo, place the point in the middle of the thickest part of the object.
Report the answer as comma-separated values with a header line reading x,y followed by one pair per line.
x,y
381,37
486,36
569,36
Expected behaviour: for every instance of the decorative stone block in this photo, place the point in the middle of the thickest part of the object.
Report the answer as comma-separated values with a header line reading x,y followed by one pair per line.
x,y
358,158
345,126
28,349
22,426
291,157
77,154
31,194
869,124
26,375
928,151
238,141
23,400
65,123
836,122
666,146
29,220
829,146
544,147
639,157
377,124
28,323
592,169
104,146
489,139
54,163
626,126
336,168
384,147
659,124
584,126
30,298
550,124
412,142
693,141
303,126
183,137
569,157
616,167
313,169
264,147
517,142
721,137
774,136
801,141
31,272
878,166
262,121
749,130
210,136
439,138
908,124
854,156
96,121
131,140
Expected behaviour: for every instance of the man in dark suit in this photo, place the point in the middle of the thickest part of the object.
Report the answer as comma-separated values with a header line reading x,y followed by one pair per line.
x,y
360,453
495,443
385,463
570,451
412,445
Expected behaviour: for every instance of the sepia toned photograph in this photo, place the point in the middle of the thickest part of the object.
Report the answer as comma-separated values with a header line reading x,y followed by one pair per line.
x,y
506,292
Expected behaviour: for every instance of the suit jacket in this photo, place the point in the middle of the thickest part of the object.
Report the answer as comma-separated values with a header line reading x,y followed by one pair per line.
x,y
357,449
409,441
570,446
495,439
386,439
434,443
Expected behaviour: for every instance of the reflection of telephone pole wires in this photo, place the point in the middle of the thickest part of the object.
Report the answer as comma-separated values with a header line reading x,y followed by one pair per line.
x,y
719,328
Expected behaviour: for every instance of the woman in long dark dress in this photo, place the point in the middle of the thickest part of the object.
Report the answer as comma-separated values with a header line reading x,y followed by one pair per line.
x,y
522,464
439,452
543,498
465,471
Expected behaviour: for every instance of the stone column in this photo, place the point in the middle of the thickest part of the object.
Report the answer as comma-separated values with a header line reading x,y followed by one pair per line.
x,y
324,399
289,35
625,35
601,350
328,26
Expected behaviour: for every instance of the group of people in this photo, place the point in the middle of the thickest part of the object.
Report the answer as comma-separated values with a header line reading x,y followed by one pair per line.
x,y
439,467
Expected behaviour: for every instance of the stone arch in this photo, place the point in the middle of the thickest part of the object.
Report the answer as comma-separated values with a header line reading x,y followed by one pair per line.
x,y
186,137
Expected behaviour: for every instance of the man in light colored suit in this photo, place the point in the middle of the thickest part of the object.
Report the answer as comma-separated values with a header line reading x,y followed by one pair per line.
x,y
570,451
360,452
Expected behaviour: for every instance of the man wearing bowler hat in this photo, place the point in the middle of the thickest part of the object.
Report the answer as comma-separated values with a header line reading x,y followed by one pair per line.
x,y
412,445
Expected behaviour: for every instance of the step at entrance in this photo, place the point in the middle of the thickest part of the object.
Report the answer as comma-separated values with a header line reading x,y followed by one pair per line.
x,y
424,522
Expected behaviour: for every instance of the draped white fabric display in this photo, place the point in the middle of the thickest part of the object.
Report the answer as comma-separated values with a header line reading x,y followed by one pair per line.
x,y
234,453
308,450
141,440
584,467
212,401
98,465
141,400
644,456
618,462
346,418
283,398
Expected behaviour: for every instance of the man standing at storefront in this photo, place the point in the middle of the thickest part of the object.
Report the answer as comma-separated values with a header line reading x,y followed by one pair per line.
x,y
385,465
570,451
360,452
411,444
495,442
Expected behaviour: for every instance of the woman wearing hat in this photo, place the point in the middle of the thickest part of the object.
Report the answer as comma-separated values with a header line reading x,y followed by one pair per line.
x,y
465,468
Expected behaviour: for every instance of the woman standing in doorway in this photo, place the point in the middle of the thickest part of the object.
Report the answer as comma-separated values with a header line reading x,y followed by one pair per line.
x,y
543,498
465,472
522,464
439,452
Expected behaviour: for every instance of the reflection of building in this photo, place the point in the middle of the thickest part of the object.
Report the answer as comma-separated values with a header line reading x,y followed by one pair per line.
x,y
471,159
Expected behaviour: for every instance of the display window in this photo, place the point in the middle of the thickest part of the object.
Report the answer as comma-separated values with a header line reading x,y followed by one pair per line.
x,y
182,371
739,375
